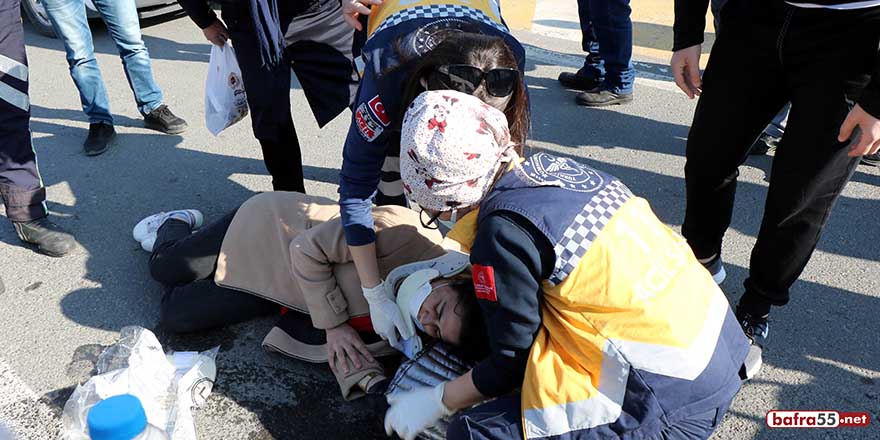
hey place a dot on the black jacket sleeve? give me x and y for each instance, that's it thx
(509, 258)
(199, 11)
(690, 23)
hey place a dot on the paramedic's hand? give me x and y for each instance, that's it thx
(344, 342)
(216, 33)
(387, 320)
(414, 411)
(869, 138)
(352, 10)
(685, 66)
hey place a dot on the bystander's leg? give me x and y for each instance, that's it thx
(21, 186)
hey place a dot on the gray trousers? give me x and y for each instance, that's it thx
(21, 188)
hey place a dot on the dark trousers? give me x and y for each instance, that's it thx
(185, 263)
(501, 419)
(319, 47)
(606, 29)
(268, 95)
(777, 126)
(20, 184)
(770, 53)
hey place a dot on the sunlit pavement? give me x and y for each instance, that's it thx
(57, 314)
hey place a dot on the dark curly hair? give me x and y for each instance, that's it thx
(474, 344)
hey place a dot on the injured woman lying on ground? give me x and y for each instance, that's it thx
(284, 253)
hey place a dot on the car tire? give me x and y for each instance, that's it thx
(36, 14)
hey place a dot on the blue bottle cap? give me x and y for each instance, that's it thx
(117, 418)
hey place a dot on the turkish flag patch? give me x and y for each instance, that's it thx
(484, 282)
(378, 110)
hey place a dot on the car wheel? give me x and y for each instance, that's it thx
(38, 17)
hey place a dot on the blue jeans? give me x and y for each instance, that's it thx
(69, 20)
(608, 22)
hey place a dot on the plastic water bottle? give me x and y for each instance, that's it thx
(121, 418)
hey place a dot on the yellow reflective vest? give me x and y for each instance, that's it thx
(635, 334)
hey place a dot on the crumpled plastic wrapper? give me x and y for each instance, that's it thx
(168, 385)
(434, 365)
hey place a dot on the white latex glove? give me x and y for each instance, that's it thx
(387, 320)
(415, 411)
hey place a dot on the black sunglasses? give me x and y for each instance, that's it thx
(466, 79)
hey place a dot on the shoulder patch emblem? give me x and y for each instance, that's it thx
(484, 282)
(564, 172)
(367, 124)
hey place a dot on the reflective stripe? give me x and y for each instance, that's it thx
(13, 68)
(840, 6)
(682, 363)
(14, 97)
(602, 409)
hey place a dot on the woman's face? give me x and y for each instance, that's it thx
(437, 314)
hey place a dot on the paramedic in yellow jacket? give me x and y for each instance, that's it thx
(595, 310)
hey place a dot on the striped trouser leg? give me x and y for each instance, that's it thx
(20, 184)
(390, 191)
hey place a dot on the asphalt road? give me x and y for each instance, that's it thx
(57, 314)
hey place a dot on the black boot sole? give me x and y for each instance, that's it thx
(616, 101)
(167, 130)
(36, 248)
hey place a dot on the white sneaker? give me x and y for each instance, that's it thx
(148, 243)
(147, 228)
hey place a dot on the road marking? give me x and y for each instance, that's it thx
(652, 24)
(13, 389)
(21, 410)
(519, 14)
(647, 74)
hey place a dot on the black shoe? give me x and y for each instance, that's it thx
(49, 238)
(163, 120)
(764, 144)
(756, 330)
(100, 137)
(578, 81)
(602, 98)
(872, 159)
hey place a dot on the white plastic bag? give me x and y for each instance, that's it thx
(168, 386)
(225, 98)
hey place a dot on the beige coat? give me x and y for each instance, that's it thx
(289, 248)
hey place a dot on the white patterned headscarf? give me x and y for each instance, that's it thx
(451, 147)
